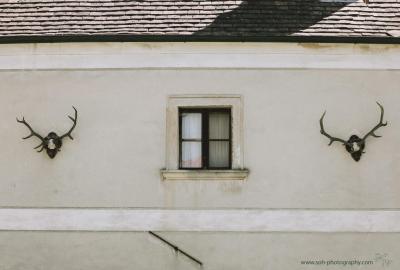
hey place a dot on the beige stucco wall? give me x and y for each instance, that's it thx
(119, 145)
(114, 162)
(255, 251)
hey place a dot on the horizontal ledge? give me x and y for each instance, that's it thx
(58, 219)
(217, 59)
(204, 174)
(202, 96)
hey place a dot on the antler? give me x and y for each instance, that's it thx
(333, 139)
(380, 124)
(68, 134)
(33, 133)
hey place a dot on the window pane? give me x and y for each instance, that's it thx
(191, 155)
(191, 125)
(219, 125)
(219, 154)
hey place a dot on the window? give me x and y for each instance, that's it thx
(205, 138)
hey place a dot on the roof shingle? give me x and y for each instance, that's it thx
(232, 18)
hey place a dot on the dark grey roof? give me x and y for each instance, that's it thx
(252, 18)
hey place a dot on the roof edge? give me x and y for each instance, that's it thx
(195, 38)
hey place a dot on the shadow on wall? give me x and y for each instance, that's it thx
(271, 18)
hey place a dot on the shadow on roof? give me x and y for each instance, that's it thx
(270, 18)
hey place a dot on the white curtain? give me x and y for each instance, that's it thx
(191, 155)
(219, 154)
(191, 126)
(219, 129)
(219, 125)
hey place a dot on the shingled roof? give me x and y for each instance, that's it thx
(202, 18)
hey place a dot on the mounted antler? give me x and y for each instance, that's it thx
(331, 138)
(33, 133)
(354, 145)
(380, 124)
(52, 142)
(73, 126)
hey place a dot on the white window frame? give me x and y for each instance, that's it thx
(174, 102)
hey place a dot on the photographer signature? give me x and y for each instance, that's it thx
(383, 259)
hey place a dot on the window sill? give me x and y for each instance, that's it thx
(204, 174)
